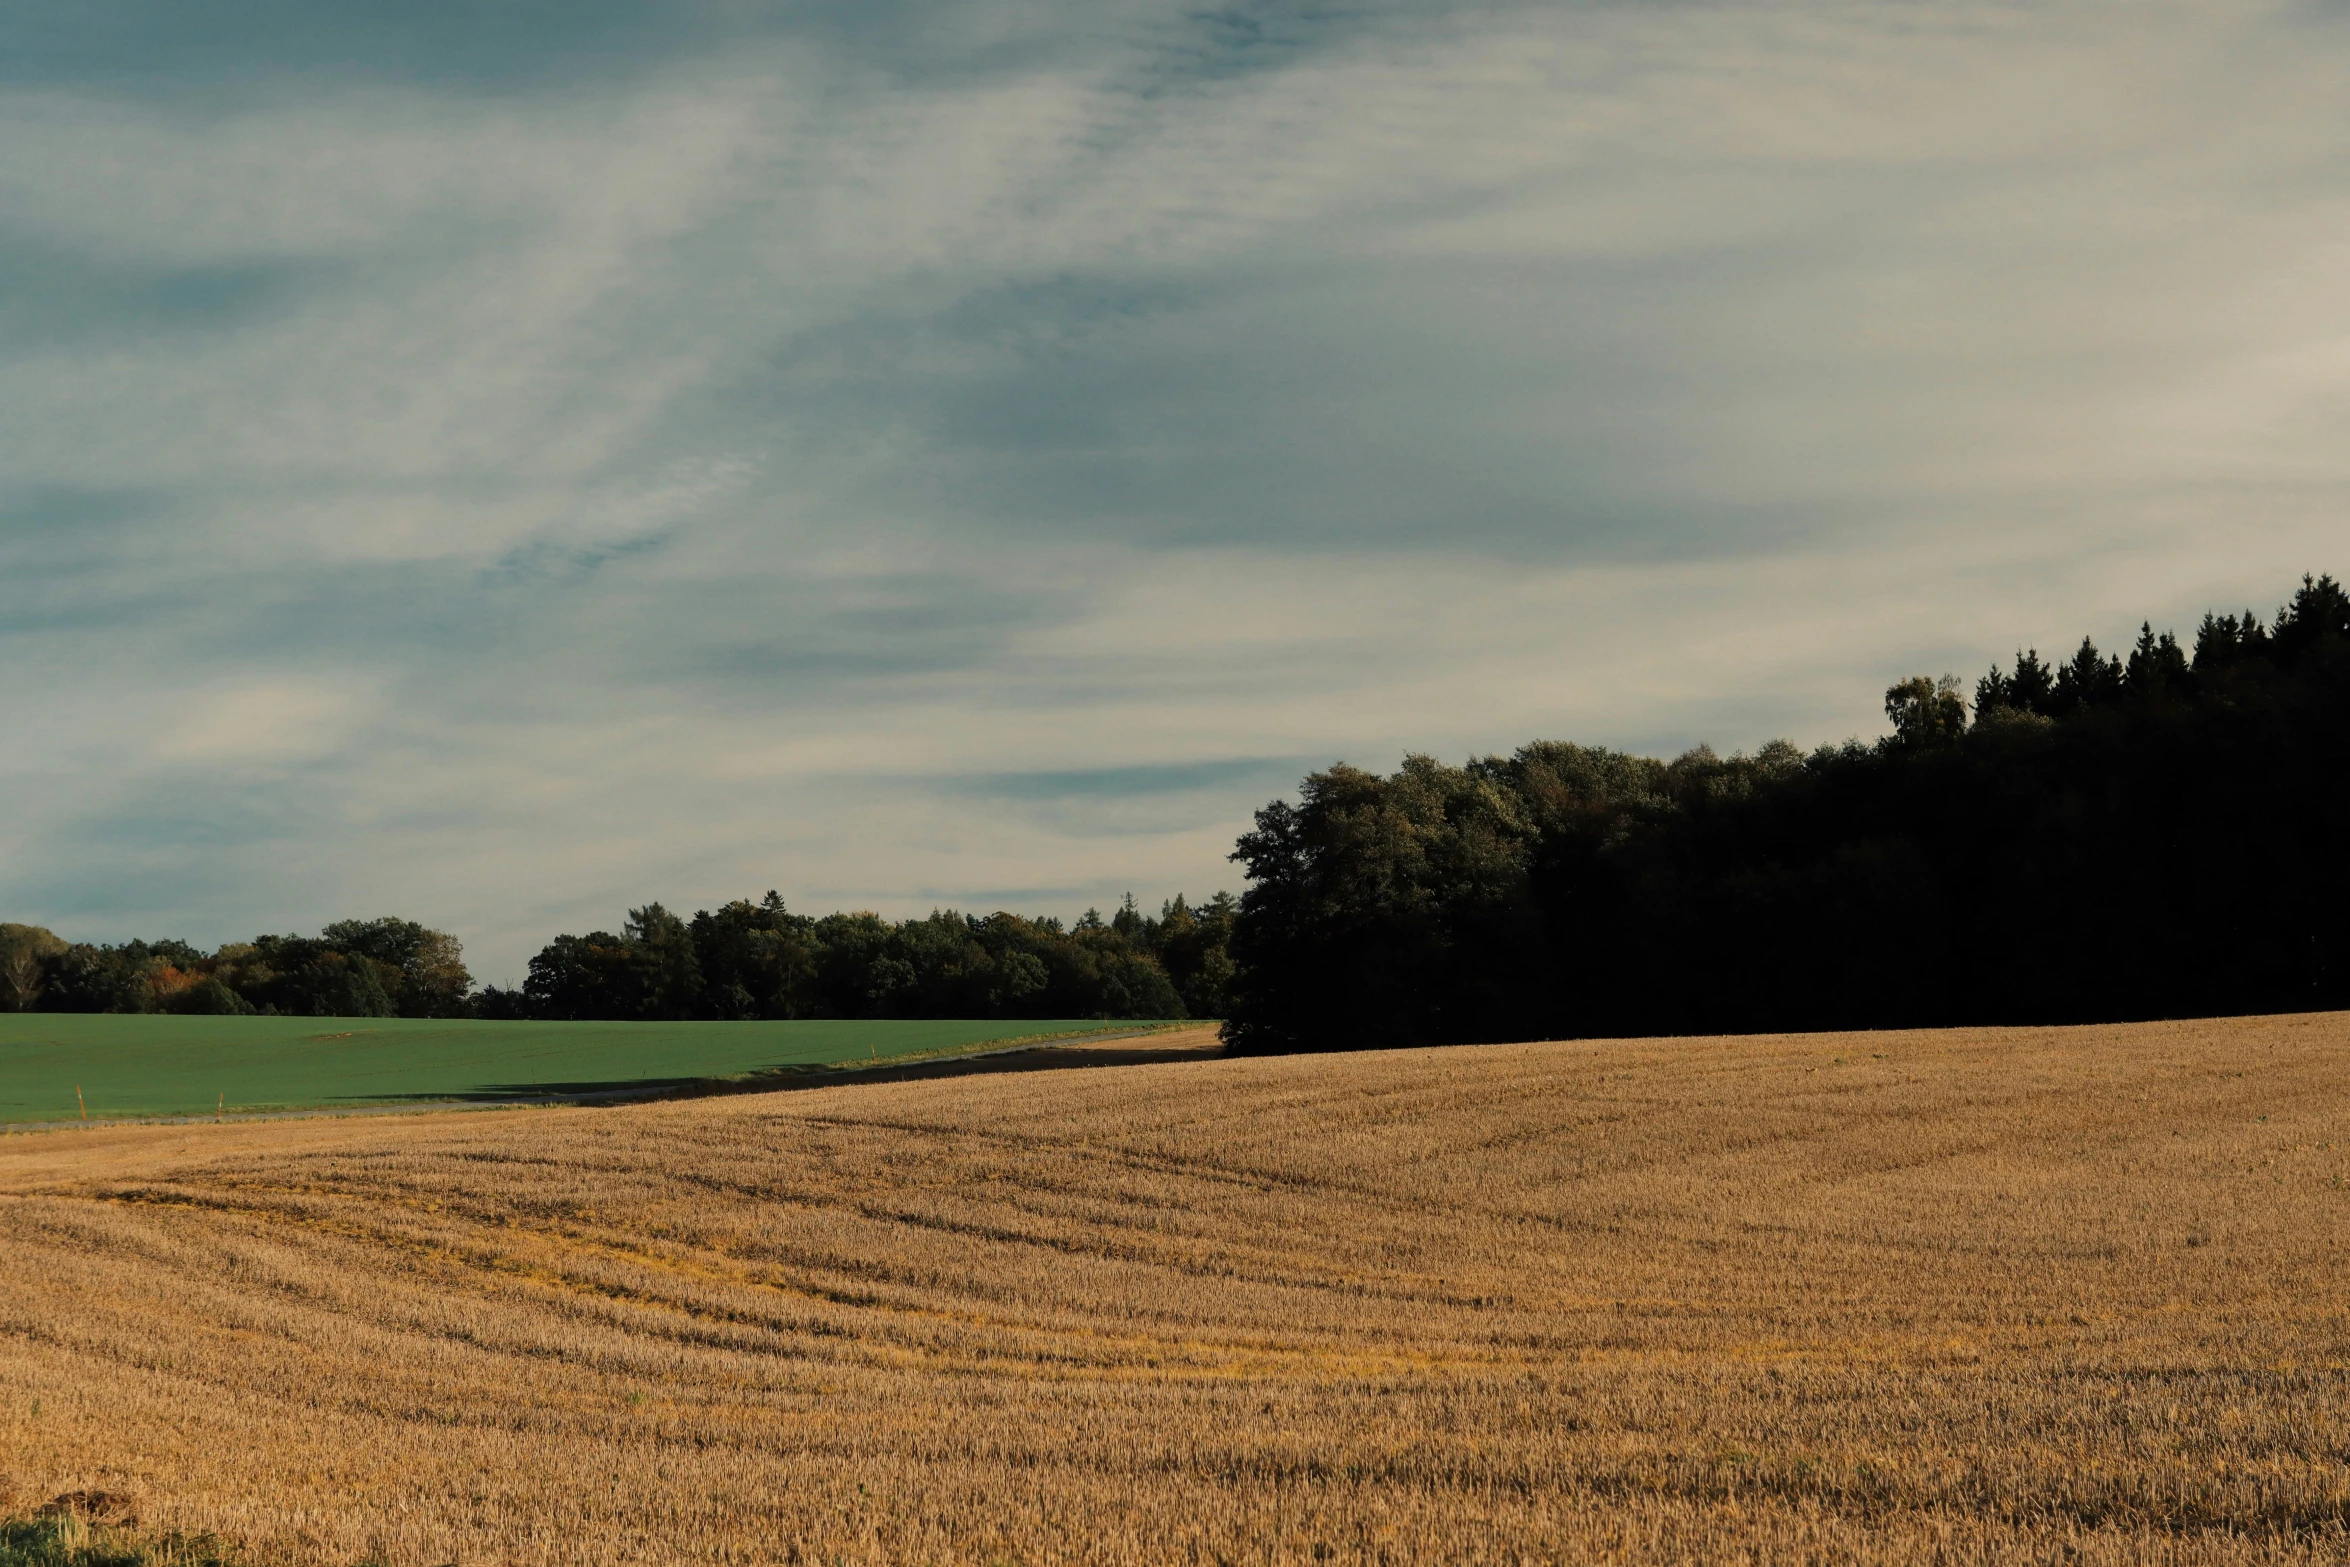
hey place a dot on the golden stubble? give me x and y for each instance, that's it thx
(1971, 1296)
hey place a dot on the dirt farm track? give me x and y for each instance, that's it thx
(2033, 1295)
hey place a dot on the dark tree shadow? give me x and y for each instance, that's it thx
(1200, 1045)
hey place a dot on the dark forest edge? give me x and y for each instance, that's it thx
(2160, 834)
(2109, 839)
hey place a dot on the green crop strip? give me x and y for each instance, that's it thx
(58, 1067)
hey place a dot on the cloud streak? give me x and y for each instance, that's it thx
(499, 464)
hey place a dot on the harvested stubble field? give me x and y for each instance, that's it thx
(1999, 1295)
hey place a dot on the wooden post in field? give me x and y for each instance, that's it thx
(220, 1110)
(79, 1100)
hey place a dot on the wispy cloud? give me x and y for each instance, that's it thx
(502, 462)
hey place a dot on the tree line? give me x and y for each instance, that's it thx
(353, 968)
(759, 960)
(744, 960)
(2158, 834)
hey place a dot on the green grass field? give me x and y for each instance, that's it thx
(141, 1066)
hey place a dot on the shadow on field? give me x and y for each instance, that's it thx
(1190, 1044)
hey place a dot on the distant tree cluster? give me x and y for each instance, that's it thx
(2161, 834)
(745, 960)
(353, 968)
(759, 960)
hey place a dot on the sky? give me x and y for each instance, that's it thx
(500, 463)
